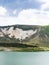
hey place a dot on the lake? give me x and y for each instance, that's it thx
(24, 58)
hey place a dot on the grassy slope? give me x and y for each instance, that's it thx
(41, 40)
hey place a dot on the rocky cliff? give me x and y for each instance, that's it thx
(25, 34)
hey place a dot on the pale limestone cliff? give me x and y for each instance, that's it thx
(17, 33)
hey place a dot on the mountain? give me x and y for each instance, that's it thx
(24, 36)
(17, 32)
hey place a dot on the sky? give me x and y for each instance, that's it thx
(26, 12)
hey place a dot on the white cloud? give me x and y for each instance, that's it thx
(2, 11)
(34, 17)
(27, 17)
(44, 1)
(45, 4)
(15, 12)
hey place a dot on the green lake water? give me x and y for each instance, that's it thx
(24, 58)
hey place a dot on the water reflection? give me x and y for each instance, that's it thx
(24, 58)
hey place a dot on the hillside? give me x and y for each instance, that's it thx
(24, 36)
(16, 33)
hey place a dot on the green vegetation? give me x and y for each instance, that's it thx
(24, 27)
(29, 49)
(36, 42)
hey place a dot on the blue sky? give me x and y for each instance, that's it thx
(19, 4)
(35, 12)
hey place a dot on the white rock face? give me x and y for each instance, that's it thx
(1, 34)
(17, 33)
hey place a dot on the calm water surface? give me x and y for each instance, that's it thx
(24, 58)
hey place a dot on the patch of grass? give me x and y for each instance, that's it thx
(29, 49)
